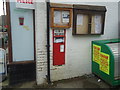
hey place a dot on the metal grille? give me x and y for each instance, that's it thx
(115, 47)
(19, 73)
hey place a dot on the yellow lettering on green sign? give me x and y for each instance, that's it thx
(104, 63)
(96, 53)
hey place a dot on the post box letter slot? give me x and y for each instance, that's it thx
(59, 40)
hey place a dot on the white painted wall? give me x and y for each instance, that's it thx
(41, 41)
(78, 48)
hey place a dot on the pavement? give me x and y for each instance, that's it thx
(86, 81)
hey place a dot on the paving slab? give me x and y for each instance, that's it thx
(86, 81)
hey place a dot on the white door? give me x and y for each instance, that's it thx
(22, 35)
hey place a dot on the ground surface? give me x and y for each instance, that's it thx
(86, 81)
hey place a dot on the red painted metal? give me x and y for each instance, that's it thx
(58, 57)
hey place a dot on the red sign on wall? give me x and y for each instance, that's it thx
(25, 4)
(25, 1)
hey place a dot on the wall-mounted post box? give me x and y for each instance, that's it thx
(59, 47)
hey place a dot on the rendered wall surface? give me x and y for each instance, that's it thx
(78, 48)
(41, 41)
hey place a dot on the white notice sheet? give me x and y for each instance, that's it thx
(79, 19)
(98, 25)
(61, 48)
(57, 17)
(65, 16)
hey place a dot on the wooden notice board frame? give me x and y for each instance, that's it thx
(61, 24)
(87, 13)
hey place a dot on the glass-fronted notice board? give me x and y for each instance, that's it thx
(88, 19)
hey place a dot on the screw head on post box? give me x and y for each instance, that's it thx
(21, 20)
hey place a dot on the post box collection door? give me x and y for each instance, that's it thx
(59, 47)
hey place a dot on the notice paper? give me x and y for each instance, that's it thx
(79, 19)
(26, 27)
(57, 17)
(65, 16)
(61, 48)
(98, 25)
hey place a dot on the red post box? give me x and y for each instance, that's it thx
(59, 47)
